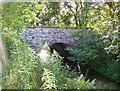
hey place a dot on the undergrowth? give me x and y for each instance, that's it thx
(26, 71)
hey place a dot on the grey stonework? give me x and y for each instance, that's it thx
(49, 35)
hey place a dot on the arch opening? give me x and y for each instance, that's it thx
(61, 49)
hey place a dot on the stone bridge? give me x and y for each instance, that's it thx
(51, 35)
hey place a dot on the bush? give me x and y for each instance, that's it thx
(89, 46)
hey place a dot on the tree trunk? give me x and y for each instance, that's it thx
(3, 56)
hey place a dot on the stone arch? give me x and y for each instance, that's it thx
(49, 35)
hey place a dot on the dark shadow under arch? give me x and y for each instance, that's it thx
(61, 49)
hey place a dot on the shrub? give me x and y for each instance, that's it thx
(89, 46)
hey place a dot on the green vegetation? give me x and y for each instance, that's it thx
(91, 51)
(22, 69)
(98, 43)
(26, 71)
(98, 46)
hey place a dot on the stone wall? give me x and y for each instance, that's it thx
(50, 35)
